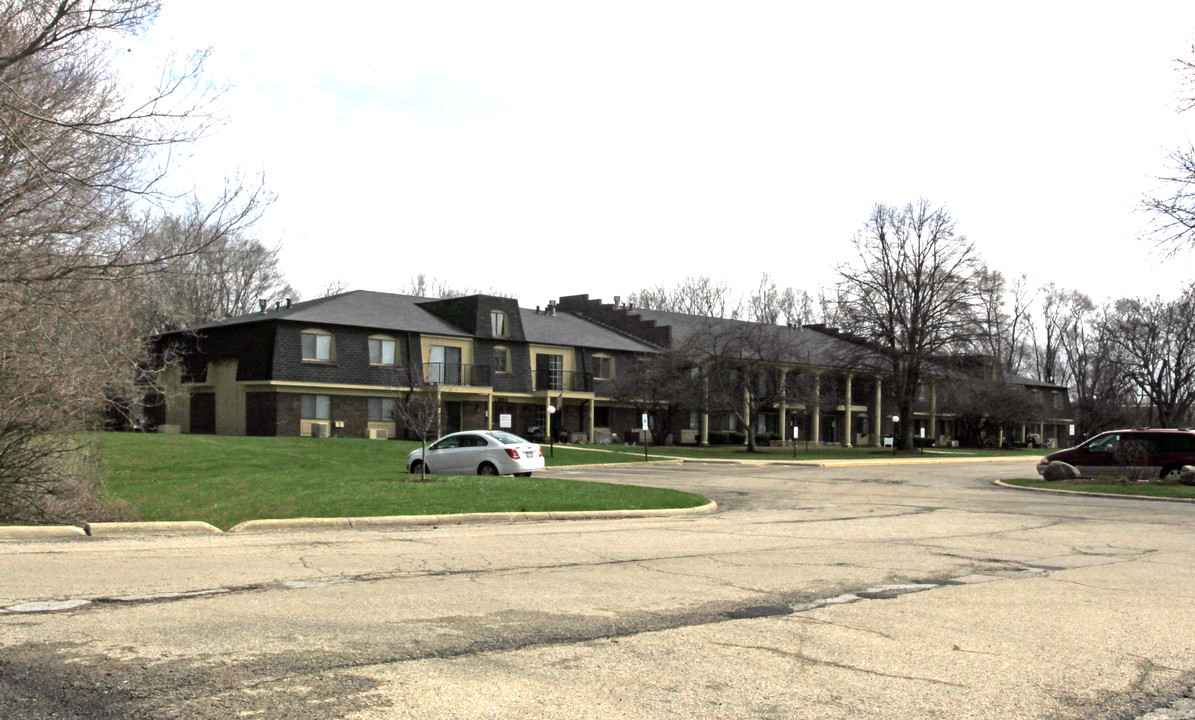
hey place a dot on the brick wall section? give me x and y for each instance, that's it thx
(251, 345)
(472, 315)
(519, 377)
(261, 414)
(289, 414)
(203, 413)
(351, 366)
(624, 420)
(353, 411)
(473, 416)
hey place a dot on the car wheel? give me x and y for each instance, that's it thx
(487, 469)
(415, 467)
(526, 474)
(1171, 473)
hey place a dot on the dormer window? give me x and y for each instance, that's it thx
(497, 323)
(318, 346)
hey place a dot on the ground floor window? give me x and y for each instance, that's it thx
(601, 417)
(315, 407)
(382, 410)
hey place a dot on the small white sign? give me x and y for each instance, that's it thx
(796, 432)
(1072, 431)
(922, 433)
(887, 441)
(504, 421)
(644, 421)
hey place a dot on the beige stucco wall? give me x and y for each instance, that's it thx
(230, 397)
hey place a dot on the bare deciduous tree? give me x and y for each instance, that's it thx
(661, 385)
(1099, 389)
(1175, 211)
(419, 411)
(78, 163)
(1156, 341)
(912, 292)
(741, 367)
(424, 285)
(769, 304)
(700, 295)
(1004, 320)
(229, 277)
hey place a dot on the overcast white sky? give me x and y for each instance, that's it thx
(553, 148)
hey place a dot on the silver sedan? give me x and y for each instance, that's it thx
(479, 452)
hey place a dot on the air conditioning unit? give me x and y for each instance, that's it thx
(379, 434)
(319, 430)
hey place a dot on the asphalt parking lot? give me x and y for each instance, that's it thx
(913, 591)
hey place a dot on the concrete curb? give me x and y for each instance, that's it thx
(133, 529)
(631, 463)
(260, 526)
(1060, 491)
(40, 532)
(856, 463)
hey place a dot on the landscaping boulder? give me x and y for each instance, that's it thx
(1187, 476)
(1058, 470)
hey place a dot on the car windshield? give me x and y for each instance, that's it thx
(507, 438)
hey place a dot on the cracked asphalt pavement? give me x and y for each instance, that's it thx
(914, 591)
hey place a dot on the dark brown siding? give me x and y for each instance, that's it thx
(353, 411)
(203, 413)
(261, 414)
(288, 414)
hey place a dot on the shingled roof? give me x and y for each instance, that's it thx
(809, 347)
(402, 313)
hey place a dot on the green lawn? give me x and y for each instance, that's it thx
(1152, 489)
(227, 480)
(739, 452)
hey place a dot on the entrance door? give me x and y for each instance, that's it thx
(452, 417)
(829, 428)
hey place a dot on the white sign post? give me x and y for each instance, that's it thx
(504, 421)
(644, 434)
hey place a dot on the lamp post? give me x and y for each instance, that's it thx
(895, 420)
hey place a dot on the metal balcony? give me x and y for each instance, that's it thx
(456, 374)
(563, 380)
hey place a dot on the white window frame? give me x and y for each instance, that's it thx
(610, 367)
(498, 323)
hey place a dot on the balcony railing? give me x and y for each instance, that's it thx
(571, 380)
(456, 374)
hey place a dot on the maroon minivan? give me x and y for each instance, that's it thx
(1138, 453)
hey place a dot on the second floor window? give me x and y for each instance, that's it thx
(381, 351)
(603, 367)
(317, 346)
(501, 360)
(498, 323)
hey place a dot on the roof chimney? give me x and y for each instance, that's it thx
(263, 303)
(617, 299)
(288, 302)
